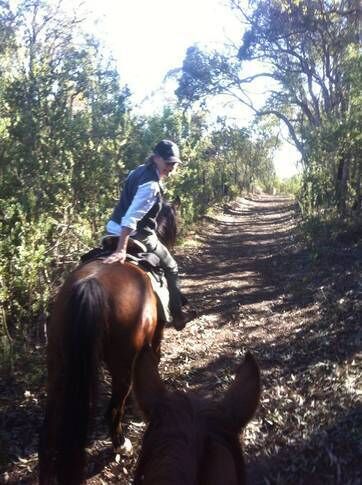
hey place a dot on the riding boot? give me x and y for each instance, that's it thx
(179, 317)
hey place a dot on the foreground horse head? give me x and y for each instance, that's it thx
(189, 441)
(103, 312)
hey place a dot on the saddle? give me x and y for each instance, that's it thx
(137, 254)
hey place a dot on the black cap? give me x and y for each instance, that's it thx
(168, 150)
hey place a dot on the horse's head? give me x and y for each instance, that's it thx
(190, 441)
(167, 222)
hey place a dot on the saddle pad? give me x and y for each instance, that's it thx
(159, 285)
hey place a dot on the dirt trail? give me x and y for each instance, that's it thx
(226, 282)
(226, 278)
(256, 289)
(225, 274)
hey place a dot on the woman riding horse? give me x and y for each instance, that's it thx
(135, 215)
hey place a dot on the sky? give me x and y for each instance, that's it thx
(148, 38)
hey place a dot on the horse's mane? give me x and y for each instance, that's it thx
(167, 224)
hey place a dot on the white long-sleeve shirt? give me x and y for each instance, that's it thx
(144, 199)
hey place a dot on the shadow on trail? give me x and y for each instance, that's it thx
(305, 359)
(19, 425)
(265, 261)
(240, 252)
(300, 364)
(314, 455)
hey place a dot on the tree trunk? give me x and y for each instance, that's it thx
(357, 204)
(341, 185)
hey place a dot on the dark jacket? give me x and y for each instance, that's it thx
(137, 177)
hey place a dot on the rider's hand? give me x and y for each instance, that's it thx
(118, 256)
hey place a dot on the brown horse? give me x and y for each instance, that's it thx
(103, 312)
(190, 441)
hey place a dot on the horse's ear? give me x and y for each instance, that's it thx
(147, 385)
(242, 398)
(176, 202)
